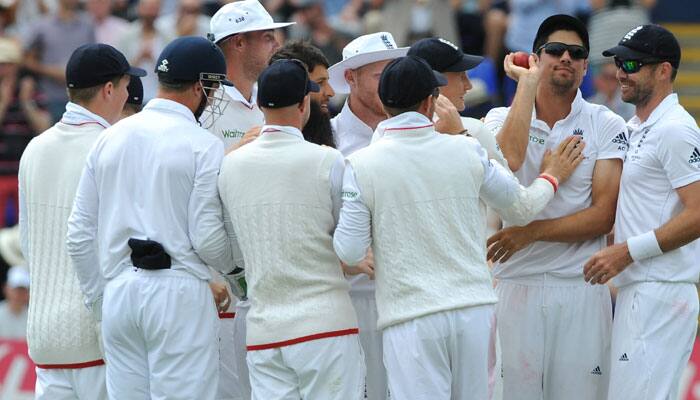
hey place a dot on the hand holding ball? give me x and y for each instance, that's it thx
(521, 59)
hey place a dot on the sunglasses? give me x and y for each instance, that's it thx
(557, 49)
(633, 66)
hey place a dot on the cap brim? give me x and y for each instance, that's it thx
(135, 71)
(267, 27)
(467, 62)
(336, 73)
(312, 86)
(625, 53)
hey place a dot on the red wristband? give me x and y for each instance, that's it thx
(549, 178)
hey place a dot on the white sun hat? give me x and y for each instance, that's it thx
(366, 49)
(241, 16)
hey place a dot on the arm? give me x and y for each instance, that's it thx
(352, 236)
(591, 222)
(513, 137)
(39, 119)
(33, 64)
(336, 179)
(205, 215)
(82, 239)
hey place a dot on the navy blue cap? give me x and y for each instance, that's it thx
(97, 63)
(190, 59)
(406, 81)
(648, 42)
(135, 90)
(443, 55)
(284, 83)
(560, 22)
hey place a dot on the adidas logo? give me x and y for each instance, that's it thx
(578, 132)
(596, 371)
(695, 157)
(624, 357)
(620, 138)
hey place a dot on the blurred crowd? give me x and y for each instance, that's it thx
(38, 36)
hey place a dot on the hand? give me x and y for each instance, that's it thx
(562, 162)
(248, 137)
(449, 119)
(365, 266)
(607, 263)
(221, 297)
(506, 242)
(516, 73)
(27, 88)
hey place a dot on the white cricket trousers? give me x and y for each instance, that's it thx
(653, 335)
(239, 348)
(555, 338)
(324, 369)
(160, 332)
(229, 386)
(441, 356)
(71, 384)
(371, 339)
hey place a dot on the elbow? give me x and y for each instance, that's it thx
(348, 253)
(514, 163)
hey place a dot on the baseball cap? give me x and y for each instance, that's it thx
(241, 16)
(97, 63)
(648, 41)
(135, 90)
(18, 276)
(366, 49)
(190, 59)
(284, 83)
(443, 55)
(408, 80)
(560, 22)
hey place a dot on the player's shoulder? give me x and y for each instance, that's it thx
(497, 113)
(601, 113)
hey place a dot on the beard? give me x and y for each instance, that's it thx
(202, 106)
(318, 128)
(563, 85)
(637, 94)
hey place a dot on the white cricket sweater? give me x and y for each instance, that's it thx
(442, 265)
(60, 330)
(277, 191)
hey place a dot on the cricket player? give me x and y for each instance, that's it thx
(358, 75)
(283, 197)
(244, 31)
(318, 128)
(63, 337)
(134, 103)
(654, 261)
(146, 223)
(554, 328)
(434, 292)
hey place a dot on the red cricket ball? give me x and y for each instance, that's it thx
(521, 59)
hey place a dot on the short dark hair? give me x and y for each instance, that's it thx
(85, 95)
(393, 111)
(177, 86)
(302, 51)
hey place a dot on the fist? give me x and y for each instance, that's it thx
(521, 59)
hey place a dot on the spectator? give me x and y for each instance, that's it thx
(108, 28)
(412, 20)
(143, 42)
(51, 42)
(21, 110)
(313, 25)
(13, 311)
(187, 21)
(608, 91)
(525, 15)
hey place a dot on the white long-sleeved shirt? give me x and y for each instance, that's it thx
(500, 190)
(151, 176)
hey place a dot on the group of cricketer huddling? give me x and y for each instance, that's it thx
(357, 246)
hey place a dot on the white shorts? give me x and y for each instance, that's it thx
(71, 384)
(329, 369)
(371, 339)
(441, 356)
(160, 336)
(653, 334)
(555, 338)
(239, 348)
(229, 388)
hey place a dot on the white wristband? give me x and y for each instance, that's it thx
(644, 246)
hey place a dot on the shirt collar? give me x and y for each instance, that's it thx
(171, 106)
(236, 95)
(403, 122)
(78, 115)
(354, 124)
(282, 128)
(666, 104)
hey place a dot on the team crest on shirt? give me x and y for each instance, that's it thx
(350, 196)
(578, 132)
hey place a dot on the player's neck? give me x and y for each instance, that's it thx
(643, 111)
(240, 80)
(552, 106)
(370, 116)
